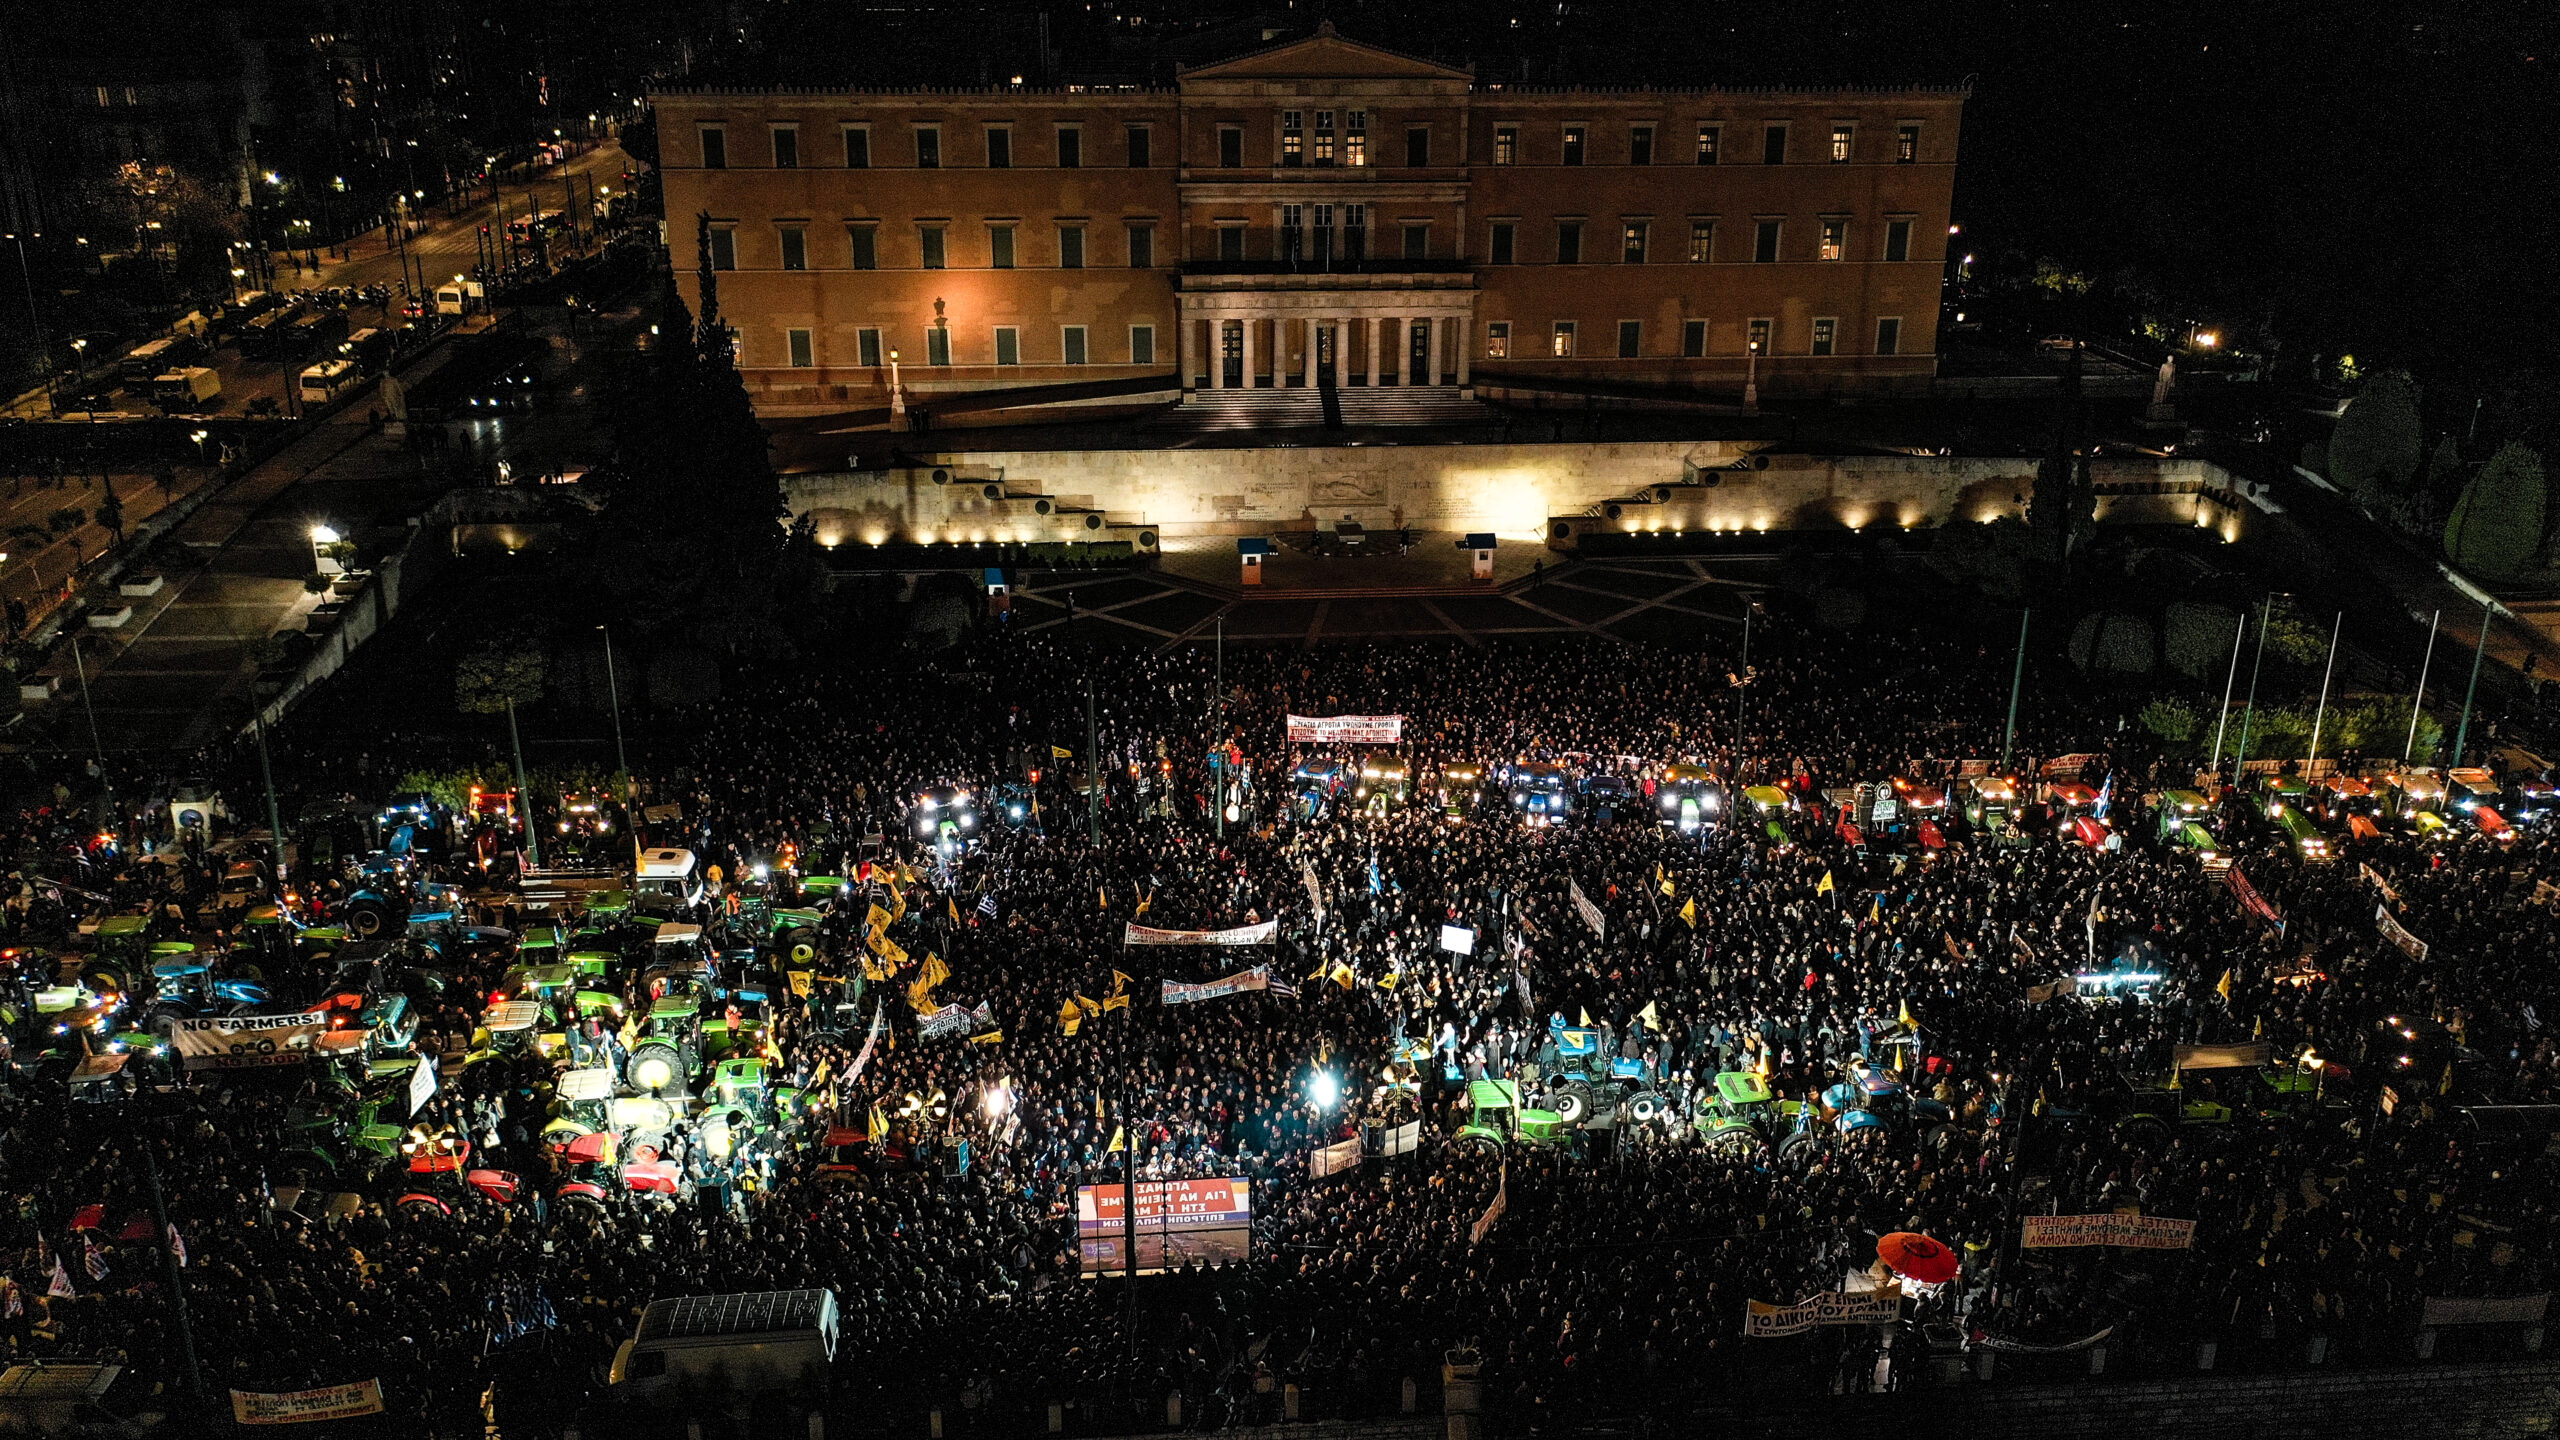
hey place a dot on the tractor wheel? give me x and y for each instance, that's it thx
(164, 1023)
(104, 978)
(1571, 1102)
(1945, 1141)
(1798, 1152)
(1737, 1143)
(305, 1169)
(1647, 1106)
(367, 918)
(2146, 1133)
(1479, 1144)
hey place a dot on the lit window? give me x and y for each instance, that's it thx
(1841, 135)
(1823, 331)
(1702, 241)
(1835, 239)
(1506, 145)
(1906, 145)
(1564, 340)
(1574, 135)
(1760, 336)
(1355, 138)
(1497, 340)
(1710, 139)
(1324, 137)
(1293, 137)
(1634, 242)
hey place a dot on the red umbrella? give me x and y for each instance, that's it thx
(1919, 1257)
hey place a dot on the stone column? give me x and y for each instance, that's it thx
(1250, 324)
(1465, 326)
(1217, 350)
(1436, 371)
(1184, 323)
(1396, 348)
(1377, 339)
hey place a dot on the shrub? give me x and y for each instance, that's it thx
(2375, 449)
(1839, 609)
(2195, 640)
(2174, 720)
(2117, 644)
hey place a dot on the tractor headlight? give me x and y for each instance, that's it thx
(653, 1073)
(925, 826)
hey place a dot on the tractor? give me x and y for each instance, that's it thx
(1499, 1120)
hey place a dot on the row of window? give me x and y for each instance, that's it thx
(1822, 337)
(1310, 233)
(1323, 144)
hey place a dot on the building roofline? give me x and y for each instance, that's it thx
(1479, 88)
(1324, 31)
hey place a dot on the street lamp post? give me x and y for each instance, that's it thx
(1751, 380)
(613, 689)
(26, 277)
(2462, 734)
(897, 396)
(2418, 701)
(322, 537)
(2017, 679)
(2249, 711)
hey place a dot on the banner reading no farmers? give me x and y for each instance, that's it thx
(1346, 730)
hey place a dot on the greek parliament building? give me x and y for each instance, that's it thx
(1318, 213)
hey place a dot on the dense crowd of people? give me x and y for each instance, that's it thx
(1614, 1275)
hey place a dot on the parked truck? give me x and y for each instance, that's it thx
(766, 1341)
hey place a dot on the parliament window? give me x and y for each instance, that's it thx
(1568, 242)
(1293, 137)
(1702, 241)
(1142, 247)
(1835, 239)
(1417, 242)
(1008, 345)
(1841, 138)
(803, 354)
(1634, 246)
(1710, 140)
(1574, 136)
(715, 148)
(1640, 145)
(1693, 339)
(1630, 339)
(1889, 335)
(866, 246)
(1230, 147)
(999, 148)
(1497, 340)
(1563, 342)
(866, 342)
(1906, 145)
(724, 250)
(1506, 145)
(786, 147)
(1823, 332)
(1764, 245)
(1417, 148)
(1897, 240)
(1355, 139)
(1142, 344)
(1071, 344)
(1504, 247)
(1773, 145)
(928, 148)
(1070, 247)
(929, 240)
(1141, 147)
(857, 148)
(795, 248)
(1000, 247)
(1070, 147)
(937, 345)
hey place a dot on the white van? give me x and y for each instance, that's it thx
(327, 380)
(188, 388)
(770, 1341)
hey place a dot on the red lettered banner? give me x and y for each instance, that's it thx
(1346, 730)
(2132, 1232)
(2250, 900)
(294, 1407)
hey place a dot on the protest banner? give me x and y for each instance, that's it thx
(1333, 1159)
(1261, 934)
(951, 1020)
(2241, 1055)
(1591, 915)
(1492, 1212)
(2485, 1310)
(1764, 1321)
(1457, 939)
(422, 1084)
(1178, 993)
(1346, 730)
(2398, 934)
(295, 1407)
(248, 1042)
(2251, 900)
(2365, 868)
(2131, 1232)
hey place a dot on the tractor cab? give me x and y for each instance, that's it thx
(663, 1061)
(945, 817)
(666, 881)
(1539, 794)
(2415, 798)
(2074, 807)
(2474, 791)
(2181, 811)
(1774, 809)
(1461, 786)
(2345, 804)
(1606, 796)
(1990, 803)
(1385, 782)
(415, 823)
(1497, 1119)
(1920, 810)
(1313, 785)
(1734, 1116)
(1688, 798)
(2298, 831)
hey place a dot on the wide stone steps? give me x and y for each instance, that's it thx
(1209, 411)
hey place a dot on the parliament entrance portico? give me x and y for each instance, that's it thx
(1266, 333)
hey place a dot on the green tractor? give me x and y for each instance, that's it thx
(1737, 1116)
(1499, 1120)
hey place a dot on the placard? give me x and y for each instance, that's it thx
(2485, 1310)
(1333, 1159)
(1457, 939)
(1179, 1222)
(422, 1084)
(1178, 993)
(295, 1407)
(1591, 915)
(246, 1042)
(2398, 934)
(590, 1084)
(1346, 730)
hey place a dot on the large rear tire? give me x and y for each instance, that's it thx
(1799, 1151)
(2146, 1133)
(1571, 1102)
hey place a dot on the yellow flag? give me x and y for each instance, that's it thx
(1119, 981)
(1101, 898)
(2222, 987)
(1118, 999)
(1146, 900)
(935, 971)
(1875, 908)
(920, 995)
(953, 906)
(1060, 753)
(1903, 1016)
(1689, 912)
(1651, 1020)
(1097, 1104)
(1583, 1020)
(992, 1037)
(1088, 1004)
(1115, 1002)
(1070, 1019)
(800, 981)
(1119, 1141)
(1389, 981)
(878, 919)
(1825, 887)
(1345, 976)
(879, 1129)
(897, 902)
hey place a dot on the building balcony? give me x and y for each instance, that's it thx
(1434, 273)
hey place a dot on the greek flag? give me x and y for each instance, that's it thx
(987, 905)
(2106, 795)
